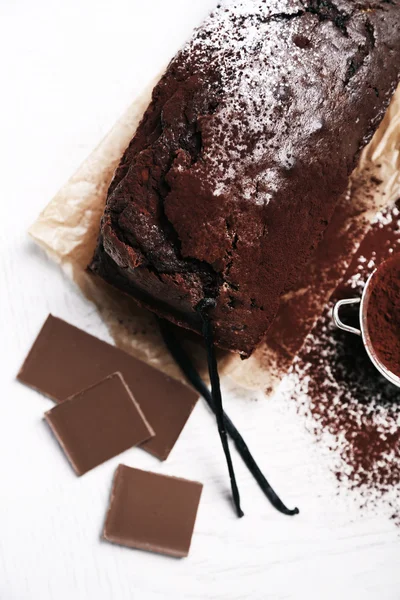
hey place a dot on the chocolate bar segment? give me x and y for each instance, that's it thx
(98, 424)
(65, 360)
(152, 512)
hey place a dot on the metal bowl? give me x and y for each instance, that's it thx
(363, 331)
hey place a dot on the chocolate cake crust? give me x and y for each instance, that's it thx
(235, 170)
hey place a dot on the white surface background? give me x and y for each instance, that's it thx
(68, 70)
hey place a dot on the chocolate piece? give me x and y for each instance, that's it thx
(242, 155)
(152, 512)
(65, 360)
(99, 423)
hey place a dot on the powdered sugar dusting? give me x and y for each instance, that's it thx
(251, 46)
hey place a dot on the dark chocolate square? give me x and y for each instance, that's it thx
(98, 424)
(65, 360)
(152, 512)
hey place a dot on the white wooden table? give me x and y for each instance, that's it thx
(68, 70)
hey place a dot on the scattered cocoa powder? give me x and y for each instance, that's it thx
(348, 405)
(383, 314)
(304, 301)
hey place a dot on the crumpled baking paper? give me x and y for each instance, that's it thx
(68, 227)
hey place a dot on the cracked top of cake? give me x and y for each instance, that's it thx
(249, 141)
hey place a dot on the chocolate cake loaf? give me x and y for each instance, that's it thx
(235, 169)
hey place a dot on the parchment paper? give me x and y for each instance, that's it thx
(68, 227)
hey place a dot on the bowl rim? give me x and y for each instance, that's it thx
(394, 379)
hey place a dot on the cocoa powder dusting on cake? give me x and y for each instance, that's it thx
(304, 301)
(241, 157)
(351, 409)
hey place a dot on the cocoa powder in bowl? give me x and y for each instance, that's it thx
(383, 314)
